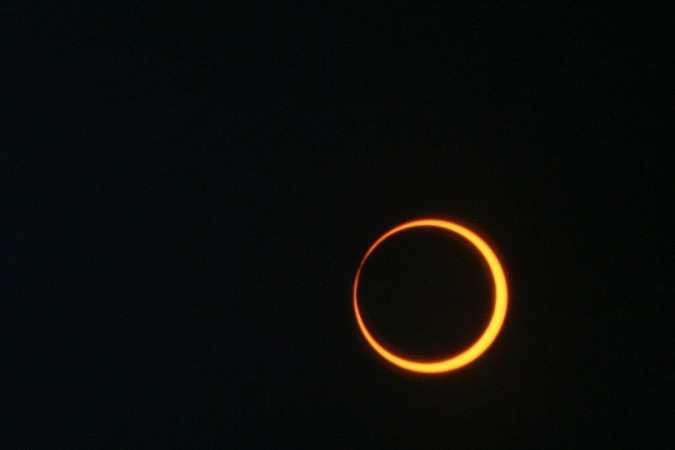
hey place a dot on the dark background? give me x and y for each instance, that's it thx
(189, 189)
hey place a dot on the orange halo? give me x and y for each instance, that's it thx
(498, 314)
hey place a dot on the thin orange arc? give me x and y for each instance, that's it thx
(491, 331)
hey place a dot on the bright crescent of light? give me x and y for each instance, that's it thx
(498, 314)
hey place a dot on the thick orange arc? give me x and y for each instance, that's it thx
(491, 331)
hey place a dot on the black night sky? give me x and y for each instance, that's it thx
(189, 190)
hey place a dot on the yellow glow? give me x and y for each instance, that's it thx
(489, 335)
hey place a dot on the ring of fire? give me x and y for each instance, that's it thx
(491, 331)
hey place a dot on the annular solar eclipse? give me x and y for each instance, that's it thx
(490, 333)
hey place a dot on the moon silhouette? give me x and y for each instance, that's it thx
(476, 349)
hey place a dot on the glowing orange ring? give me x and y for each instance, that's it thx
(498, 314)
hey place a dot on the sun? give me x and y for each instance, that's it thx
(486, 339)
